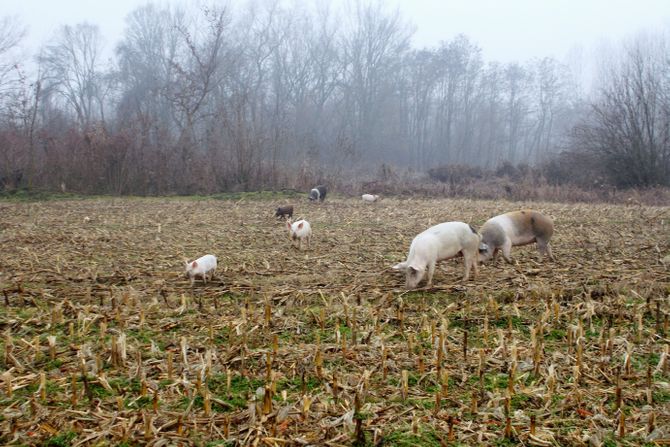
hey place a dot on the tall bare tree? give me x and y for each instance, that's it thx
(11, 34)
(629, 124)
(71, 69)
(373, 48)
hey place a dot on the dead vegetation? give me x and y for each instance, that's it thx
(105, 343)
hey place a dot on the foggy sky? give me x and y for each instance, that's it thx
(511, 30)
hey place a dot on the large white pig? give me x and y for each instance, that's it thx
(515, 228)
(443, 241)
(203, 266)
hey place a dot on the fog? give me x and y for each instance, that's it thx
(134, 97)
(515, 30)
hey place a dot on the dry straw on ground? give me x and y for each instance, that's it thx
(104, 342)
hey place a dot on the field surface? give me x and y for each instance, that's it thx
(105, 342)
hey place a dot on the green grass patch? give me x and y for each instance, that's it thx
(520, 401)
(141, 402)
(61, 440)
(255, 195)
(143, 336)
(221, 443)
(53, 364)
(241, 389)
(556, 335)
(311, 383)
(505, 442)
(425, 437)
(98, 390)
(517, 323)
(124, 385)
(492, 382)
(25, 195)
(661, 396)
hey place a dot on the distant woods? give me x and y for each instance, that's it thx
(265, 96)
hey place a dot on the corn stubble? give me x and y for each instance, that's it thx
(105, 341)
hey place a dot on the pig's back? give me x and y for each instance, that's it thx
(447, 229)
(207, 261)
(447, 237)
(505, 221)
(522, 227)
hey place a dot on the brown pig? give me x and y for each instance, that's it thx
(515, 228)
(284, 211)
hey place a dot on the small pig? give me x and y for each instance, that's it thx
(515, 228)
(298, 231)
(318, 193)
(284, 211)
(203, 266)
(443, 241)
(369, 197)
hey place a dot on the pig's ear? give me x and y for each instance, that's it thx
(401, 266)
(416, 268)
(300, 225)
(194, 264)
(483, 248)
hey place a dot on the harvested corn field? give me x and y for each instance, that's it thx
(105, 342)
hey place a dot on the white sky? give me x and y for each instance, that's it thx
(516, 30)
(506, 30)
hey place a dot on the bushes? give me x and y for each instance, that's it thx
(575, 168)
(456, 173)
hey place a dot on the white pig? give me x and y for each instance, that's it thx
(515, 228)
(369, 197)
(442, 241)
(300, 231)
(203, 266)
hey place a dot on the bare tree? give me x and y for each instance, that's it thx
(517, 109)
(373, 49)
(14, 105)
(195, 74)
(460, 65)
(72, 72)
(273, 94)
(145, 58)
(11, 34)
(629, 124)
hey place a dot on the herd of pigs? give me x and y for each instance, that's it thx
(439, 242)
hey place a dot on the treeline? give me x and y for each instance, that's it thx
(199, 100)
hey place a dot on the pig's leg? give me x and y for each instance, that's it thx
(466, 263)
(541, 249)
(544, 248)
(431, 272)
(309, 242)
(495, 255)
(549, 253)
(473, 262)
(507, 250)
